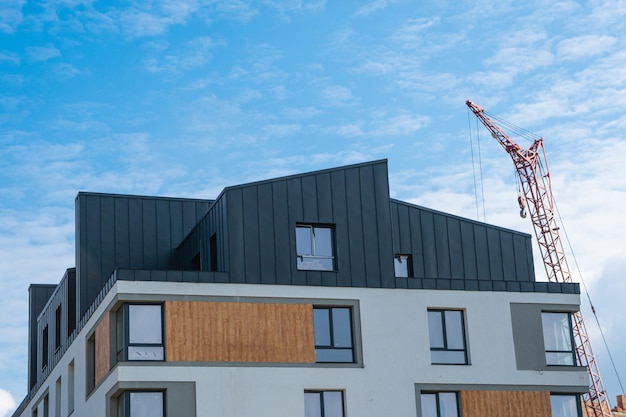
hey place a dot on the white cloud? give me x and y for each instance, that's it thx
(42, 53)
(11, 15)
(374, 6)
(7, 403)
(586, 46)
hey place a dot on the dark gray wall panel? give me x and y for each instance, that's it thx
(340, 211)
(417, 243)
(267, 241)
(429, 245)
(524, 268)
(495, 254)
(295, 214)
(281, 233)
(251, 236)
(325, 198)
(457, 269)
(383, 221)
(370, 228)
(163, 234)
(442, 247)
(508, 257)
(236, 235)
(308, 186)
(482, 252)
(468, 243)
(355, 228)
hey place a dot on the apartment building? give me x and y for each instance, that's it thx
(312, 295)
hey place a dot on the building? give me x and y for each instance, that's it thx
(313, 295)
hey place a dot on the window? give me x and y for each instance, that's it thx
(565, 405)
(402, 266)
(447, 337)
(439, 404)
(57, 398)
(333, 334)
(314, 247)
(140, 332)
(70, 387)
(323, 404)
(141, 404)
(44, 348)
(557, 337)
(57, 329)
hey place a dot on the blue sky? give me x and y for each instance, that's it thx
(186, 97)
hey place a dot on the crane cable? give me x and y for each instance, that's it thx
(593, 309)
(480, 165)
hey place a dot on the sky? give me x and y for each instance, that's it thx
(182, 98)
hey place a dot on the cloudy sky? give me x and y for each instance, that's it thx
(185, 97)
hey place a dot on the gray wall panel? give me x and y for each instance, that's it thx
(267, 241)
(470, 270)
(236, 235)
(442, 247)
(149, 238)
(342, 228)
(457, 269)
(325, 198)
(135, 224)
(370, 228)
(482, 252)
(417, 243)
(308, 186)
(295, 214)
(163, 234)
(355, 228)
(495, 254)
(383, 220)
(429, 244)
(251, 236)
(281, 233)
(121, 228)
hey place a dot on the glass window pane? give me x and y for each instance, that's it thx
(564, 405)
(429, 405)
(447, 404)
(454, 329)
(435, 329)
(334, 355)
(312, 404)
(146, 404)
(303, 240)
(323, 241)
(145, 353)
(401, 266)
(321, 323)
(453, 357)
(144, 324)
(342, 327)
(559, 358)
(333, 404)
(556, 331)
(315, 264)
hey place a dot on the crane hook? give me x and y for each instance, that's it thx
(521, 200)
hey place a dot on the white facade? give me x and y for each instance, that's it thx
(393, 337)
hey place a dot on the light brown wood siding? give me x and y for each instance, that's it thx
(505, 403)
(103, 346)
(239, 332)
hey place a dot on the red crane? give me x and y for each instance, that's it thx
(532, 168)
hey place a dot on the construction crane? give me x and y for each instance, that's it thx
(532, 168)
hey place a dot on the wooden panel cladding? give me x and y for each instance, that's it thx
(103, 346)
(239, 332)
(505, 403)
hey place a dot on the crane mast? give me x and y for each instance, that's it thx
(532, 168)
